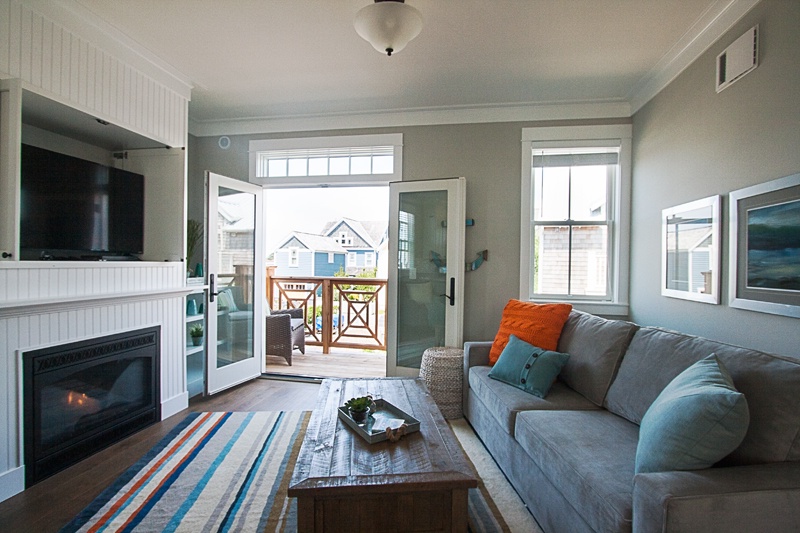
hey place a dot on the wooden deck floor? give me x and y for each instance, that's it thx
(340, 363)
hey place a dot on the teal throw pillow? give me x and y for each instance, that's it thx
(697, 420)
(527, 367)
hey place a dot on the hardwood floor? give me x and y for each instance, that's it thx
(340, 363)
(52, 503)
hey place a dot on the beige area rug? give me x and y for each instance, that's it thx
(510, 506)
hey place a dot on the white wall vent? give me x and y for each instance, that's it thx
(738, 59)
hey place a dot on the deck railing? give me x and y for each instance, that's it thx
(340, 312)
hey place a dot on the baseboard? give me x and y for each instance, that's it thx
(174, 405)
(12, 483)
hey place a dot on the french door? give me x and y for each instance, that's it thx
(426, 270)
(236, 282)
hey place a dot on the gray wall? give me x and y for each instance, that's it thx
(487, 155)
(690, 142)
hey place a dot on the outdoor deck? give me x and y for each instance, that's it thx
(339, 363)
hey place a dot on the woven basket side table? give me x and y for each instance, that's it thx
(442, 371)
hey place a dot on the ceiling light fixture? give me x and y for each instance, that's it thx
(388, 25)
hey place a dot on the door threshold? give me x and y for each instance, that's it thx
(290, 377)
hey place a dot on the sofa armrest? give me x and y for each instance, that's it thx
(741, 498)
(475, 354)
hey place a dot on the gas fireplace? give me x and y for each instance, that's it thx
(81, 397)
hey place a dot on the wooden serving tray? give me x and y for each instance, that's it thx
(382, 408)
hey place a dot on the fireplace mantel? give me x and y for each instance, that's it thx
(44, 303)
(37, 307)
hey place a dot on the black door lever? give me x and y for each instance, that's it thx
(452, 295)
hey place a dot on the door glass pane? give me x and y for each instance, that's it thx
(236, 260)
(422, 274)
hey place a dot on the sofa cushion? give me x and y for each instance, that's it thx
(527, 367)
(698, 419)
(595, 346)
(769, 382)
(504, 402)
(589, 457)
(537, 324)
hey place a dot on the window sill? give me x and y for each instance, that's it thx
(605, 309)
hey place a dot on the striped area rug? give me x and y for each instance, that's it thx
(214, 472)
(230, 472)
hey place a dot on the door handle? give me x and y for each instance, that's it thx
(211, 292)
(452, 295)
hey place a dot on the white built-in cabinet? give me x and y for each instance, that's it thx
(69, 85)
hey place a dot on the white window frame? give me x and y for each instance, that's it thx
(352, 259)
(332, 144)
(294, 258)
(369, 260)
(331, 257)
(616, 303)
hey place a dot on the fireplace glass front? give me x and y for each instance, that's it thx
(84, 396)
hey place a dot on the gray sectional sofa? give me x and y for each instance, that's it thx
(571, 455)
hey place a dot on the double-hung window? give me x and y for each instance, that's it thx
(575, 207)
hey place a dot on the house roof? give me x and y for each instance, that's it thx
(371, 231)
(317, 243)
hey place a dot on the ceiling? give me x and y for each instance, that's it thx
(289, 59)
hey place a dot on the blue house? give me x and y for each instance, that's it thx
(364, 242)
(305, 255)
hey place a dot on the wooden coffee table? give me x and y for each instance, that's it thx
(342, 483)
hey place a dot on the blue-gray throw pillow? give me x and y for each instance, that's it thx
(697, 420)
(527, 367)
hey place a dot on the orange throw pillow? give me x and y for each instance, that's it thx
(537, 324)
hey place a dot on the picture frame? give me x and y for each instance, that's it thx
(690, 251)
(765, 247)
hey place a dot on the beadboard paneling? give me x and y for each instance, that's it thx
(66, 67)
(102, 298)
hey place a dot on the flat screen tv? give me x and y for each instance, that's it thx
(76, 209)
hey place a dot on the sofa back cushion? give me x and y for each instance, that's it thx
(770, 384)
(595, 346)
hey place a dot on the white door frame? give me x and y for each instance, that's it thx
(219, 379)
(456, 224)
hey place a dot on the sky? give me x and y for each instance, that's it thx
(308, 210)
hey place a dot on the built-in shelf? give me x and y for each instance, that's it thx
(195, 355)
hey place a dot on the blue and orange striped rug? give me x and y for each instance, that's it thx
(228, 472)
(213, 472)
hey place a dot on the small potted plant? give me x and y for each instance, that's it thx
(196, 333)
(359, 408)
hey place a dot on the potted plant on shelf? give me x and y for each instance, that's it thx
(359, 408)
(194, 237)
(196, 333)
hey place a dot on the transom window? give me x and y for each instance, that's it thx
(343, 160)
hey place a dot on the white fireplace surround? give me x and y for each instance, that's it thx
(45, 304)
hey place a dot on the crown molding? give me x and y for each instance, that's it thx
(411, 117)
(710, 27)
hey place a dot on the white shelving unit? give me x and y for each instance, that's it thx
(196, 354)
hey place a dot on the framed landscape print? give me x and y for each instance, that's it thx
(765, 247)
(690, 250)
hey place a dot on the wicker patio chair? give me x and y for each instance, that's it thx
(285, 332)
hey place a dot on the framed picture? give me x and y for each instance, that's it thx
(765, 247)
(690, 251)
